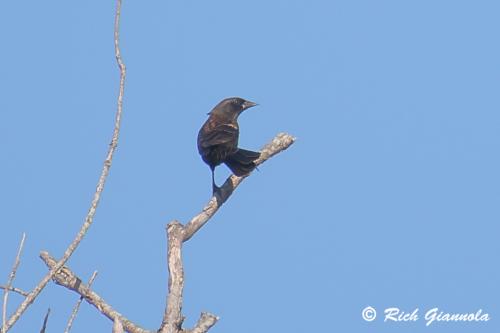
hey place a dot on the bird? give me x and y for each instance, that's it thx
(218, 139)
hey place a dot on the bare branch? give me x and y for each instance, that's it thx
(281, 142)
(45, 320)
(77, 305)
(206, 321)
(172, 319)
(12, 276)
(66, 278)
(100, 185)
(16, 290)
(178, 234)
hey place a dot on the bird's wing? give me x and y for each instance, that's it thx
(220, 134)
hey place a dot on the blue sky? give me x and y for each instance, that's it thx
(389, 197)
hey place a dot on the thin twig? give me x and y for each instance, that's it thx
(100, 184)
(178, 234)
(77, 305)
(66, 278)
(44, 327)
(16, 290)
(12, 276)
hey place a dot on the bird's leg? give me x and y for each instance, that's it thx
(215, 188)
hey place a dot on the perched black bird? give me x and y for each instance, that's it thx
(218, 139)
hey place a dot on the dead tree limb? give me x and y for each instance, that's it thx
(99, 189)
(206, 321)
(178, 234)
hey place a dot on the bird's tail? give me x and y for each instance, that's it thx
(242, 162)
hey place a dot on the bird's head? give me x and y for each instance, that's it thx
(232, 107)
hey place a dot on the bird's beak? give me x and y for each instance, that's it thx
(248, 104)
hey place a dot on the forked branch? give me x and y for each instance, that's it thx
(178, 234)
